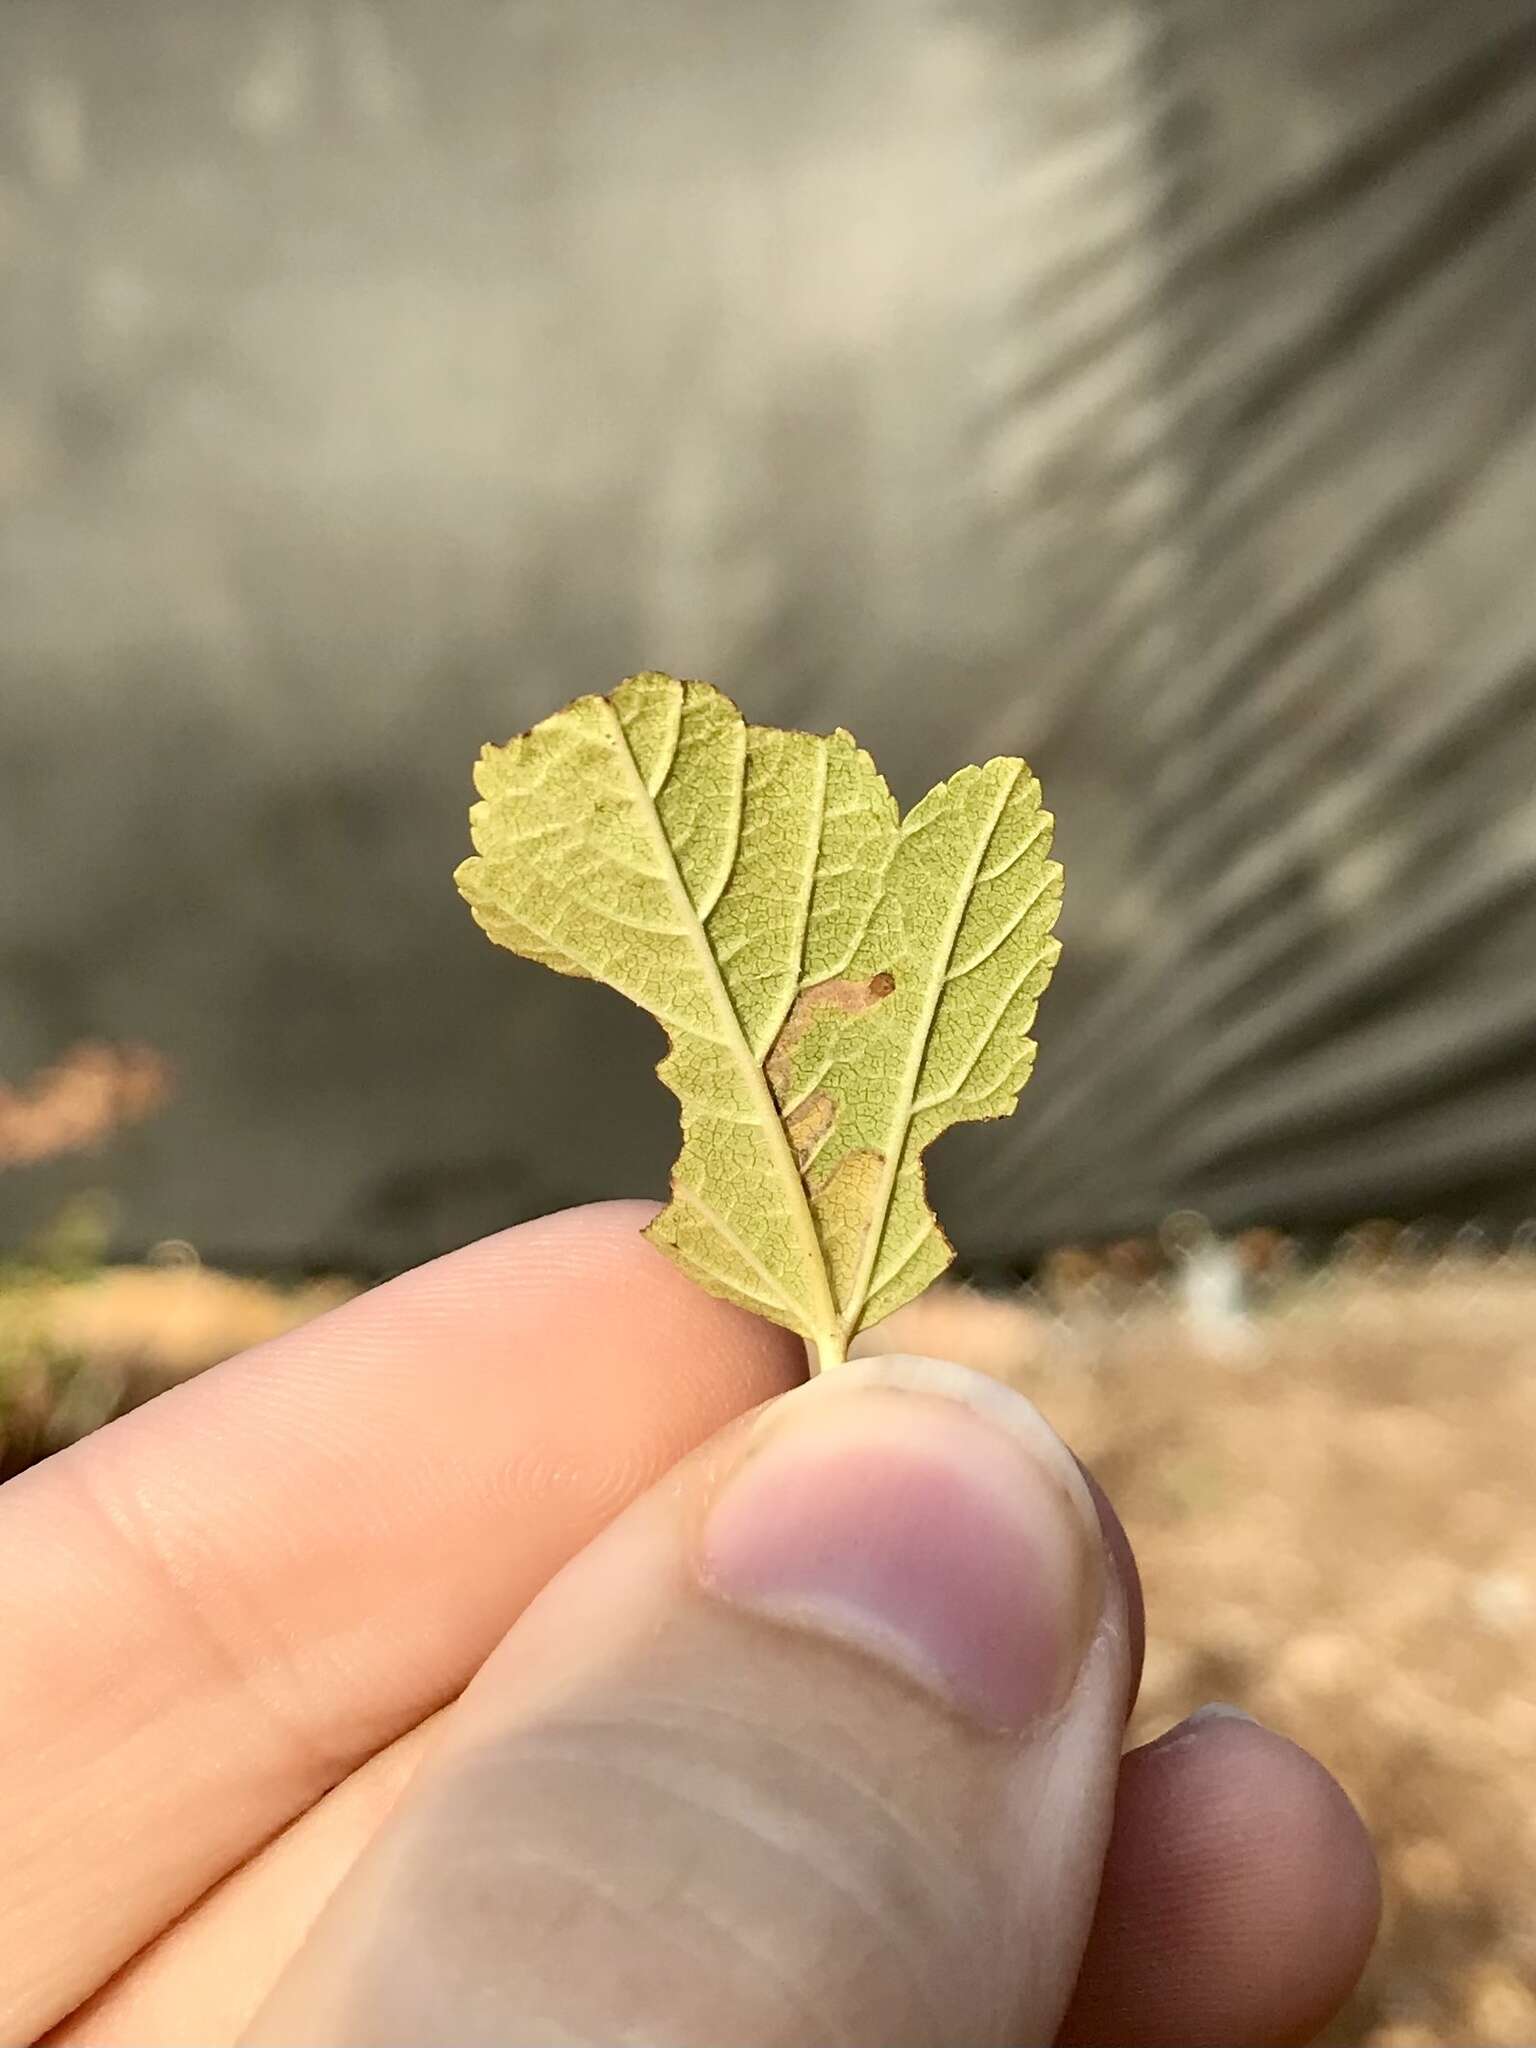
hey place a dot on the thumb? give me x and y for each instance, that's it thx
(816, 1743)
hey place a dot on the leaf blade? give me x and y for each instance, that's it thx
(838, 985)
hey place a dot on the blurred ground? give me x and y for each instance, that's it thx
(78, 1349)
(1332, 1508)
(1330, 1499)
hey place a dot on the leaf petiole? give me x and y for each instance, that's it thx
(828, 1351)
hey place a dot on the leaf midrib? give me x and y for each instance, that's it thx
(756, 1080)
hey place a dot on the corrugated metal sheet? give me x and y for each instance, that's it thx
(1146, 385)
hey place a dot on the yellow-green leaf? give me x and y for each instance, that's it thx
(839, 984)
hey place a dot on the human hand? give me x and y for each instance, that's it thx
(235, 1802)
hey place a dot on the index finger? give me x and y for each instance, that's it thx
(222, 1604)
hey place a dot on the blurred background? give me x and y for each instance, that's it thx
(1145, 386)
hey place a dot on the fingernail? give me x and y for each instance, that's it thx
(1219, 1710)
(927, 1515)
(1191, 1725)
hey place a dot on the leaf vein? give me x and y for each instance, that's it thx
(988, 952)
(903, 1112)
(738, 1244)
(883, 1277)
(991, 874)
(949, 1094)
(709, 901)
(774, 1024)
(657, 781)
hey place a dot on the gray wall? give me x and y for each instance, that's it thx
(1144, 385)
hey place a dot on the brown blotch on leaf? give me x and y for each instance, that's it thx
(859, 1169)
(851, 997)
(809, 1124)
(844, 1217)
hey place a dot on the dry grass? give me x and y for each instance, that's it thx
(91, 1092)
(77, 1351)
(1332, 1505)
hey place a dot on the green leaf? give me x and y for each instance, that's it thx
(839, 984)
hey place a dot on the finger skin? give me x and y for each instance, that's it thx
(222, 1604)
(1206, 1823)
(663, 1816)
(1123, 1559)
(191, 1988)
(199, 1983)
(1240, 1897)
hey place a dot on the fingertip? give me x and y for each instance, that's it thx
(635, 1363)
(1323, 1870)
(719, 1360)
(1240, 1896)
(604, 1334)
